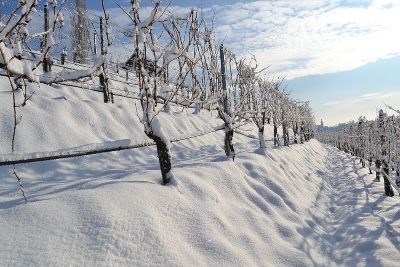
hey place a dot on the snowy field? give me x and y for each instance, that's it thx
(303, 205)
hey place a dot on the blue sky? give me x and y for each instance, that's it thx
(342, 55)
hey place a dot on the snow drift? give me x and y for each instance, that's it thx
(302, 205)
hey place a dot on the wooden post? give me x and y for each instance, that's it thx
(102, 77)
(229, 150)
(101, 36)
(46, 61)
(63, 56)
(223, 77)
(63, 48)
(95, 43)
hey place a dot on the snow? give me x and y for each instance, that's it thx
(227, 119)
(171, 54)
(72, 75)
(7, 57)
(166, 90)
(68, 151)
(6, 54)
(18, 49)
(60, 19)
(262, 139)
(27, 69)
(62, 117)
(303, 205)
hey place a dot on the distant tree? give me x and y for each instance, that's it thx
(79, 32)
(276, 107)
(385, 152)
(375, 141)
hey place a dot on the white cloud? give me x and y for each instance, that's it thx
(300, 38)
(296, 38)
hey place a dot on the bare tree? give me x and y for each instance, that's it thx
(154, 60)
(14, 34)
(385, 152)
(276, 108)
(260, 97)
(21, 69)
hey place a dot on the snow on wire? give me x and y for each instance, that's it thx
(89, 149)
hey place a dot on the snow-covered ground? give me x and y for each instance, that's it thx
(304, 205)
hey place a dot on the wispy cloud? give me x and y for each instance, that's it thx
(376, 96)
(370, 95)
(364, 105)
(331, 103)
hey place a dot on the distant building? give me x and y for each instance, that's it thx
(320, 127)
